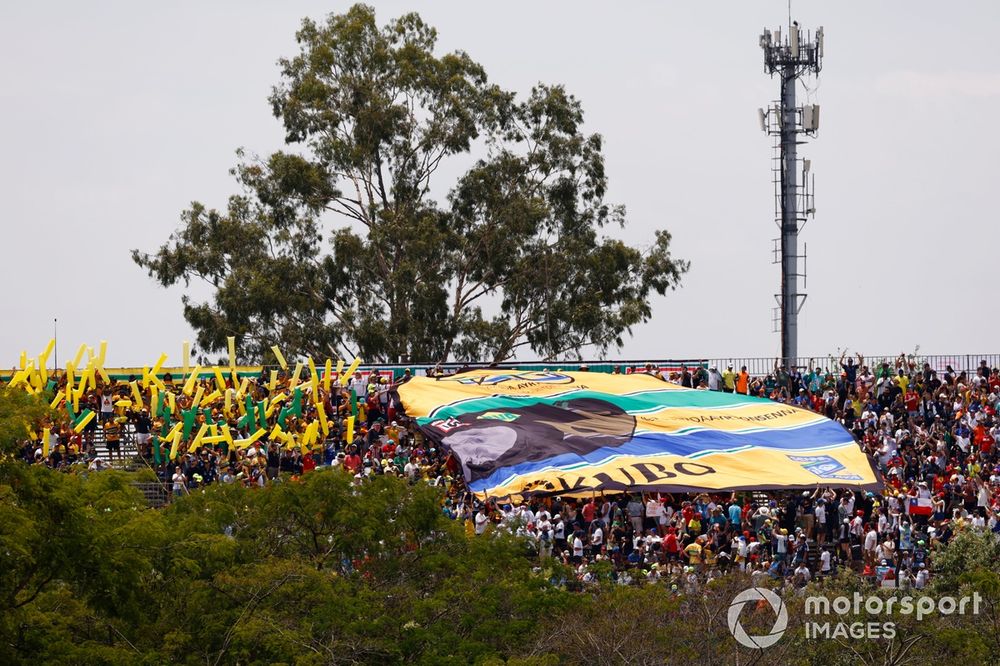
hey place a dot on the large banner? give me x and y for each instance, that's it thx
(518, 433)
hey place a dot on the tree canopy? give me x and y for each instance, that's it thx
(360, 238)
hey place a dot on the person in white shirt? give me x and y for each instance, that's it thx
(820, 512)
(481, 521)
(802, 575)
(596, 539)
(577, 548)
(871, 542)
(824, 562)
(654, 509)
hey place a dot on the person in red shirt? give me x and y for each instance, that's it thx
(671, 547)
(589, 511)
(912, 402)
(982, 437)
(352, 462)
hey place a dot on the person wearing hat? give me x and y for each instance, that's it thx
(715, 381)
(729, 380)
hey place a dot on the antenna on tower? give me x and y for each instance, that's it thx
(791, 59)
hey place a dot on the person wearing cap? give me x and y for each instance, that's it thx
(729, 379)
(715, 381)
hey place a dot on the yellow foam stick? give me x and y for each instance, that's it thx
(18, 377)
(102, 354)
(154, 396)
(84, 421)
(213, 429)
(157, 382)
(90, 374)
(81, 381)
(257, 435)
(243, 387)
(33, 377)
(278, 398)
(242, 407)
(76, 402)
(274, 380)
(235, 375)
(176, 430)
(227, 405)
(90, 353)
(218, 378)
(312, 431)
(175, 445)
(24, 360)
(312, 366)
(185, 356)
(322, 418)
(59, 398)
(350, 429)
(197, 438)
(145, 376)
(79, 355)
(45, 442)
(327, 369)
(269, 412)
(210, 398)
(276, 432)
(70, 367)
(189, 384)
(314, 383)
(42, 370)
(104, 374)
(48, 349)
(350, 371)
(123, 403)
(340, 366)
(281, 359)
(228, 436)
(135, 394)
(159, 364)
(197, 396)
(295, 375)
(232, 350)
(214, 439)
(171, 402)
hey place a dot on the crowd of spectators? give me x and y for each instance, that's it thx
(932, 437)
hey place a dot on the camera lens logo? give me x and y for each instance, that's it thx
(756, 595)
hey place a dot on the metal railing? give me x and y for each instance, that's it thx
(756, 366)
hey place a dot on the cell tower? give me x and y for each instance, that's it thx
(791, 59)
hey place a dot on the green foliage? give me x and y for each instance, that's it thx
(320, 571)
(371, 115)
(19, 414)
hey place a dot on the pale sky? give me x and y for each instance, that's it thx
(115, 115)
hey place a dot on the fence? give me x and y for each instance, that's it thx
(756, 365)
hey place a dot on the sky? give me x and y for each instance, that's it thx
(116, 115)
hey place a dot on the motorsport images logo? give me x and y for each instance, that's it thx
(843, 617)
(757, 595)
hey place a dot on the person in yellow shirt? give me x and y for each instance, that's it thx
(693, 551)
(729, 380)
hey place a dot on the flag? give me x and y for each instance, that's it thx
(520, 432)
(920, 506)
